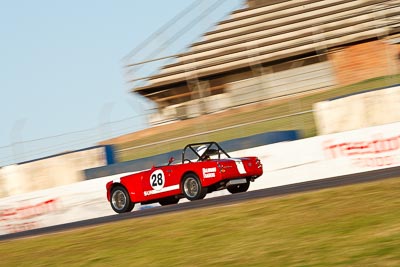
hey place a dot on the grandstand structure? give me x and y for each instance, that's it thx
(275, 48)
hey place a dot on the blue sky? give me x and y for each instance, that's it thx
(61, 62)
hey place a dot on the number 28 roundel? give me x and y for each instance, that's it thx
(157, 180)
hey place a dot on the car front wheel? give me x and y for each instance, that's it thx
(192, 188)
(120, 200)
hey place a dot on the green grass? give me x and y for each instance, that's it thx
(159, 148)
(356, 225)
(267, 110)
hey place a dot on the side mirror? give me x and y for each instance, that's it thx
(171, 159)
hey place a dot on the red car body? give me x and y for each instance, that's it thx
(212, 169)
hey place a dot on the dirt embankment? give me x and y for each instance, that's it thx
(181, 124)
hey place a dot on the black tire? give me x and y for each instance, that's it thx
(120, 200)
(192, 188)
(168, 201)
(239, 188)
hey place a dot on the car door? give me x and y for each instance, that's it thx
(160, 182)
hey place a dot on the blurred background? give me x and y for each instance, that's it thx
(221, 70)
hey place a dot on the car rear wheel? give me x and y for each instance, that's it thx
(192, 188)
(168, 201)
(238, 188)
(120, 200)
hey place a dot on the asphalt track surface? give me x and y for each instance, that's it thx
(218, 201)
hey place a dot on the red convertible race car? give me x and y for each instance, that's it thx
(205, 167)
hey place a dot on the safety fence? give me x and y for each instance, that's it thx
(21, 151)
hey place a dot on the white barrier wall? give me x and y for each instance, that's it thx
(358, 111)
(329, 155)
(63, 204)
(49, 172)
(284, 163)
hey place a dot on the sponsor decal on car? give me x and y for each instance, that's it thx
(209, 172)
(164, 189)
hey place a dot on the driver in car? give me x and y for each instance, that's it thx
(204, 153)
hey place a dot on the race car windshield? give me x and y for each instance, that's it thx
(204, 151)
